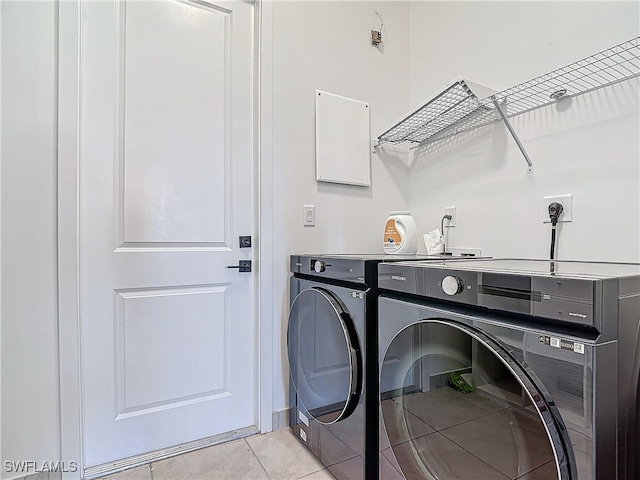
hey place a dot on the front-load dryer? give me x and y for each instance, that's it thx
(333, 379)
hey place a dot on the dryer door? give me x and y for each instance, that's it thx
(325, 357)
(462, 407)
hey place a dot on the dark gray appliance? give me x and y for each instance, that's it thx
(332, 326)
(516, 369)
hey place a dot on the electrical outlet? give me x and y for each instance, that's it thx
(567, 208)
(450, 211)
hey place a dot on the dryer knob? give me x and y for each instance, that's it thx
(319, 266)
(452, 285)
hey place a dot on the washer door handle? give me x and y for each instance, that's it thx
(336, 319)
(353, 360)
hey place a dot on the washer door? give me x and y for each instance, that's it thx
(325, 358)
(461, 407)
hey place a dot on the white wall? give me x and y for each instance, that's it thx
(30, 396)
(326, 45)
(589, 146)
(316, 45)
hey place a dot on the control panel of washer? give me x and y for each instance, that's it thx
(456, 285)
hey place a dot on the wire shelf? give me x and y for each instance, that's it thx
(453, 106)
(462, 106)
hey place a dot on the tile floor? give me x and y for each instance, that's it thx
(455, 436)
(276, 455)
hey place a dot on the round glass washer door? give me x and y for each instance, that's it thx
(325, 358)
(459, 406)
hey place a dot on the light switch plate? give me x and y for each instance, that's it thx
(309, 215)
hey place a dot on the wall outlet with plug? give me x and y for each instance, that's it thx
(567, 208)
(450, 211)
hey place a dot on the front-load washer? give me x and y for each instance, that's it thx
(332, 325)
(510, 369)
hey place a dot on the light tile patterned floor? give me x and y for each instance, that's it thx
(276, 455)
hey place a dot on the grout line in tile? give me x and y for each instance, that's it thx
(307, 451)
(441, 432)
(393, 465)
(311, 473)
(528, 472)
(257, 457)
(461, 423)
(322, 467)
(493, 467)
(412, 439)
(316, 471)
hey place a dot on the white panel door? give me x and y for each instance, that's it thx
(166, 158)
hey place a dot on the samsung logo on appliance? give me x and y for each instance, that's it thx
(398, 277)
(571, 314)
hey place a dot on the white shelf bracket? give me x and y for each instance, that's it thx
(513, 133)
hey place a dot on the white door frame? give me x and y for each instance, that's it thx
(70, 333)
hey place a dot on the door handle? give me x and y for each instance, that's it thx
(243, 266)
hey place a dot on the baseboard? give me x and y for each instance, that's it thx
(280, 418)
(113, 467)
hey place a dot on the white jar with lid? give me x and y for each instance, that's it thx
(400, 234)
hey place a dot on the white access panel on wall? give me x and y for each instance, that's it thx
(343, 140)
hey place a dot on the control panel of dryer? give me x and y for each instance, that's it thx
(328, 267)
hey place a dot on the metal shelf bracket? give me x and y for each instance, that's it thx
(513, 133)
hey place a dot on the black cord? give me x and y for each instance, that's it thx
(444, 245)
(552, 264)
(555, 210)
(553, 241)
